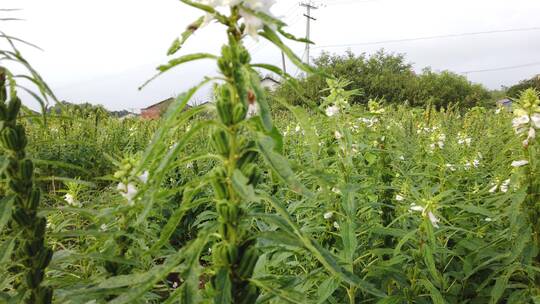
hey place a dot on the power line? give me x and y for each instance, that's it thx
(502, 68)
(431, 37)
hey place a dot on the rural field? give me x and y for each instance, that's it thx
(322, 191)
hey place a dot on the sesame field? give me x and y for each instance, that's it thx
(253, 198)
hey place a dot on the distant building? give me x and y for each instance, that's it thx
(156, 110)
(270, 83)
(506, 103)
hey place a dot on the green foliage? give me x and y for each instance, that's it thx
(515, 90)
(390, 78)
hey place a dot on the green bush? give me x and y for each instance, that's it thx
(388, 77)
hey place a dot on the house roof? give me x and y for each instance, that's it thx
(271, 79)
(168, 100)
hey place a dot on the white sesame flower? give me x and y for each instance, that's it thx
(493, 189)
(434, 220)
(144, 177)
(338, 135)
(488, 219)
(532, 134)
(498, 111)
(402, 157)
(175, 285)
(127, 191)
(103, 227)
(521, 120)
(336, 225)
(451, 167)
(69, 199)
(399, 198)
(189, 165)
(520, 163)
(252, 22)
(328, 215)
(520, 123)
(535, 118)
(336, 190)
(253, 110)
(504, 185)
(415, 207)
(332, 110)
(476, 163)
(297, 129)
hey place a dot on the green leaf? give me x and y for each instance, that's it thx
(280, 164)
(430, 263)
(5, 250)
(191, 251)
(264, 108)
(223, 287)
(278, 292)
(6, 206)
(123, 280)
(242, 187)
(173, 222)
(434, 293)
(271, 36)
(176, 62)
(307, 126)
(476, 209)
(179, 42)
(326, 289)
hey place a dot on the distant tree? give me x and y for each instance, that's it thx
(515, 91)
(445, 88)
(387, 77)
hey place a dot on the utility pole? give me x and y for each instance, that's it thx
(309, 6)
(283, 62)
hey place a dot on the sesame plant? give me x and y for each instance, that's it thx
(23, 229)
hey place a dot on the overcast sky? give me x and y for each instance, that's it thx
(100, 51)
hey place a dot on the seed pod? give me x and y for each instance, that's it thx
(13, 108)
(34, 278)
(227, 212)
(33, 199)
(45, 295)
(40, 227)
(27, 169)
(19, 186)
(232, 253)
(9, 138)
(247, 158)
(21, 217)
(247, 262)
(220, 189)
(44, 258)
(224, 111)
(239, 113)
(219, 254)
(3, 111)
(249, 294)
(245, 57)
(12, 169)
(21, 137)
(226, 231)
(221, 142)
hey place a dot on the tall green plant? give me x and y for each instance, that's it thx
(29, 253)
